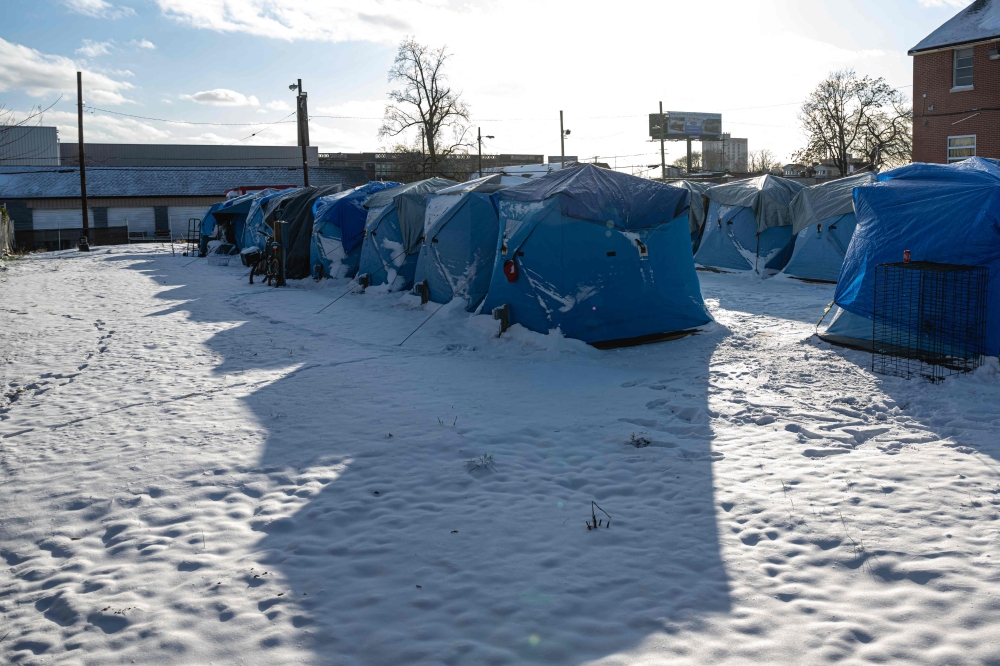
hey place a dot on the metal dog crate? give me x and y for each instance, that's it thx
(930, 319)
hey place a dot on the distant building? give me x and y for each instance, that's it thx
(825, 171)
(794, 170)
(956, 87)
(728, 155)
(405, 167)
(29, 146)
(179, 155)
(133, 202)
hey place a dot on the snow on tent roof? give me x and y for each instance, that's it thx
(768, 196)
(821, 202)
(941, 213)
(385, 197)
(978, 22)
(599, 195)
(484, 185)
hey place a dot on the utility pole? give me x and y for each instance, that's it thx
(562, 142)
(479, 140)
(663, 154)
(689, 156)
(81, 156)
(302, 110)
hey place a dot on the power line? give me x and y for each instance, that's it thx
(190, 122)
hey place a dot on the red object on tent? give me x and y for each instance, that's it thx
(510, 270)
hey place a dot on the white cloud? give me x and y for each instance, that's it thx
(222, 97)
(92, 49)
(37, 74)
(98, 9)
(328, 20)
(142, 44)
(278, 105)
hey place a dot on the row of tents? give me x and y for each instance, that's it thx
(603, 256)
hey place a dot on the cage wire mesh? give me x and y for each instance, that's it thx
(930, 319)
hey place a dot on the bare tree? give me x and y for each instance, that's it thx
(682, 162)
(887, 140)
(849, 115)
(761, 161)
(425, 103)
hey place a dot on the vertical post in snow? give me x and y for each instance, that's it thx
(303, 118)
(562, 142)
(81, 156)
(663, 154)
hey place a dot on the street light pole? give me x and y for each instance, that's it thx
(479, 140)
(302, 110)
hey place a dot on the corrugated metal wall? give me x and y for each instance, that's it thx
(29, 146)
(60, 219)
(137, 219)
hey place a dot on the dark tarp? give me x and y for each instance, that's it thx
(298, 213)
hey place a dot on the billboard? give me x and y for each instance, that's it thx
(682, 125)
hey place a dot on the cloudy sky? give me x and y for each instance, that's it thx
(228, 63)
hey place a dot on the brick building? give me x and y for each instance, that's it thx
(956, 87)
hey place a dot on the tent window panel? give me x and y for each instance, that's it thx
(961, 147)
(963, 67)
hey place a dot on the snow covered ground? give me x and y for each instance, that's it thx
(194, 470)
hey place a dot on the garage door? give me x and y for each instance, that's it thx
(138, 219)
(60, 219)
(179, 216)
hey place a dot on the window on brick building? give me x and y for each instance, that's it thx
(963, 67)
(961, 148)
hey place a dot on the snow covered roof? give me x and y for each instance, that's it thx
(18, 182)
(978, 22)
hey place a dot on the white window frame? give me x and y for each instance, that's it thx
(950, 147)
(954, 71)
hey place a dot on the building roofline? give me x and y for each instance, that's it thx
(949, 47)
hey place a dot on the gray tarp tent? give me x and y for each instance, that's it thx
(821, 202)
(748, 225)
(699, 207)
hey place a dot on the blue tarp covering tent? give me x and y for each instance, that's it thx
(603, 256)
(823, 222)
(940, 213)
(393, 231)
(260, 217)
(460, 239)
(749, 225)
(339, 229)
(225, 220)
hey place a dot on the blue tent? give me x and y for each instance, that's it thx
(940, 213)
(823, 222)
(748, 226)
(259, 217)
(226, 219)
(460, 239)
(393, 231)
(603, 256)
(339, 228)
